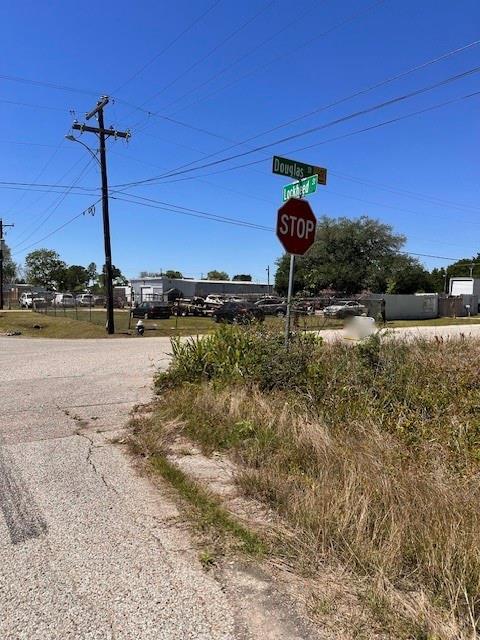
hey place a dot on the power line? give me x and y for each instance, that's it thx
(195, 213)
(89, 210)
(356, 94)
(33, 106)
(188, 28)
(199, 61)
(316, 144)
(290, 52)
(57, 204)
(291, 23)
(48, 85)
(327, 125)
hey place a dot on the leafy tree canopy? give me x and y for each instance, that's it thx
(242, 277)
(10, 269)
(353, 255)
(217, 275)
(44, 268)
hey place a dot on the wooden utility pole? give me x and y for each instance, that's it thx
(102, 134)
(1, 260)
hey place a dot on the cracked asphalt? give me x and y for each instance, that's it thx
(88, 548)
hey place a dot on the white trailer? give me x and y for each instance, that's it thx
(465, 287)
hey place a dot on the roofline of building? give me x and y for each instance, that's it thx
(160, 278)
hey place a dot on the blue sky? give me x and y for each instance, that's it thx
(241, 69)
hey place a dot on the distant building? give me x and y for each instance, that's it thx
(157, 288)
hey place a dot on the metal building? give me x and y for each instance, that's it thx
(156, 288)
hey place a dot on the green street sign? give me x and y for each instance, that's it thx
(298, 170)
(300, 188)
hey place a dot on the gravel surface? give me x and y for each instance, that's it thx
(88, 549)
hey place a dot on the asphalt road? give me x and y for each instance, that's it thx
(88, 549)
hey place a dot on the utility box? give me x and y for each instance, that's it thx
(465, 287)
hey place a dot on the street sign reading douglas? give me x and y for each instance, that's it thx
(298, 170)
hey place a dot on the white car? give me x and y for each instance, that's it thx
(64, 300)
(86, 300)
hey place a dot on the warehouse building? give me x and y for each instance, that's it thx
(157, 288)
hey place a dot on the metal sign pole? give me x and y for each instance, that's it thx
(289, 300)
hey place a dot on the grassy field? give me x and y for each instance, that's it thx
(372, 462)
(48, 326)
(85, 323)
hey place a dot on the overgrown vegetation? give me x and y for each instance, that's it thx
(370, 453)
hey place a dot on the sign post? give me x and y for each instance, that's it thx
(296, 224)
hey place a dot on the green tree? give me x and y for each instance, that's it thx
(465, 267)
(217, 275)
(242, 277)
(117, 276)
(10, 269)
(76, 278)
(438, 278)
(44, 267)
(92, 273)
(170, 273)
(348, 255)
(407, 275)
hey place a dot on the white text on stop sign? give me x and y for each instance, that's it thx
(295, 227)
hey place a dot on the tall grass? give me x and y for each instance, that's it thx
(370, 453)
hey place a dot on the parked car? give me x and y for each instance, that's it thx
(99, 301)
(64, 300)
(26, 300)
(238, 312)
(86, 300)
(152, 310)
(344, 309)
(272, 307)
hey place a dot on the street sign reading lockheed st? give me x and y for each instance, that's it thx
(300, 188)
(298, 170)
(296, 224)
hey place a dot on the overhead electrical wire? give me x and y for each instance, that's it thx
(195, 213)
(356, 94)
(62, 226)
(55, 205)
(202, 59)
(291, 23)
(351, 116)
(316, 144)
(291, 50)
(188, 28)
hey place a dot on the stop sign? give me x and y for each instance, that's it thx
(296, 225)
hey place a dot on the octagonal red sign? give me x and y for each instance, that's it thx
(296, 224)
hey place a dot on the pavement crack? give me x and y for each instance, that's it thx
(89, 460)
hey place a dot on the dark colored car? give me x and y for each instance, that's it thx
(152, 310)
(272, 307)
(238, 313)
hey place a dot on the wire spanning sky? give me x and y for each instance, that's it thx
(384, 93)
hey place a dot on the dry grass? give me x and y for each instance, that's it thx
(373, 462)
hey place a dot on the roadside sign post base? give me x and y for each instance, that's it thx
(289, 300)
